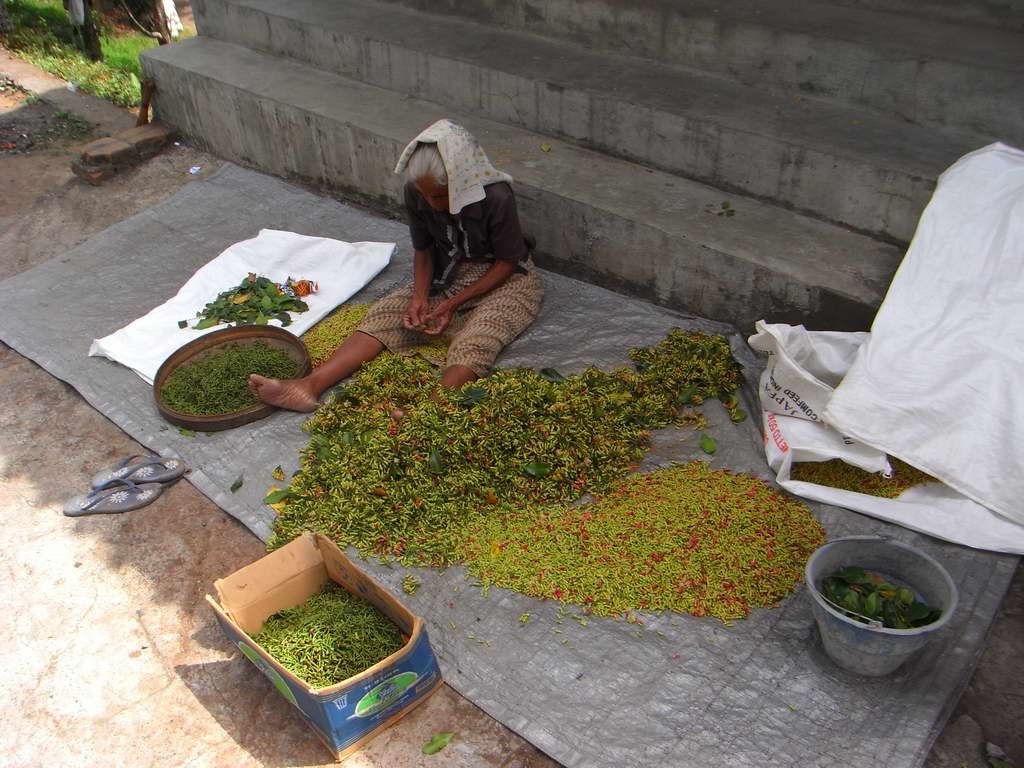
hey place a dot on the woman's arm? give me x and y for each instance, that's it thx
(416, 311)
(499, 272)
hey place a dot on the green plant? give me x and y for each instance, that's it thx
(838, 474)
(871, 599)
(72, 126)
(329, 638)
(42, 34)
(122, 52)
(465, 475)
(326, 336)
(254, 301)
(689, 538)
(219, 383)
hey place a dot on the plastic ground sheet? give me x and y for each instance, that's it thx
(689, 692)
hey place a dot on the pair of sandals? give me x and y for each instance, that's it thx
(135, 482)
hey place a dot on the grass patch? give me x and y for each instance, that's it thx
(42, 34)
(123, 52)
(71, 127)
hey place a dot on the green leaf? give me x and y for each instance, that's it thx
(738, 416)
(834, 589)
(186, 432)
(348, 438)
(342, 394)
(470, 396)
(261, 319)
(183, 323)
(537, 469)
(906, 596)
(267, 303)
(851, 575)
(436, 462)
(708, 444)
(918, 611)
(685, 396)
(437, 743)
(237, 484)
(851, 601)
(206, 322)
(275, 496)
(871, 604)
(550, 374)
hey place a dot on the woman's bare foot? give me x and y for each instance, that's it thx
(292, 394)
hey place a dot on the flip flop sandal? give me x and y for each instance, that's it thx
(152, 469)
(115, 497)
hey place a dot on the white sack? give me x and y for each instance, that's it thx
(174, 25)
(938, 383)
(340, 268)
(802, 371)
(932, 508)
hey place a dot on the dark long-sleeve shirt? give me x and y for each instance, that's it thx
(489, 229)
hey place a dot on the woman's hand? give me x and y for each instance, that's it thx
(416, 312)
(439, 319)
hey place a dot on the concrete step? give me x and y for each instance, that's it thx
(842, 164)
(1001, 14)
(634, 229)
(931, 72)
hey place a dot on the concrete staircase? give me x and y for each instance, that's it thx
(762, 158)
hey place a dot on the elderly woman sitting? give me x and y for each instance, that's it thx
(472, 277)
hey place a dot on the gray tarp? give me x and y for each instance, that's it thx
(702, 694)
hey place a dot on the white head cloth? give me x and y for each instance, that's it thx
(467, 166)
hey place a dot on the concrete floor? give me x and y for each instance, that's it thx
(112, 656)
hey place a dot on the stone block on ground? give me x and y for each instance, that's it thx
(147, 140)
(104, 157)
(109, 150)
(93, 173)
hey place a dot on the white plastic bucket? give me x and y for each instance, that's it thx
(875, 651)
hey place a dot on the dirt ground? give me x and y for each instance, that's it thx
(108, 565)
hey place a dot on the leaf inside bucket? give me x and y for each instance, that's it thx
(871, 599)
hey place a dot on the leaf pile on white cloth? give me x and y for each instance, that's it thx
(340, 268)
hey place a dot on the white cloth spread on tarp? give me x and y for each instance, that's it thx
(340, 268)
(934, 383)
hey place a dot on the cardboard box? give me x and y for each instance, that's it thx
(350, 713)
